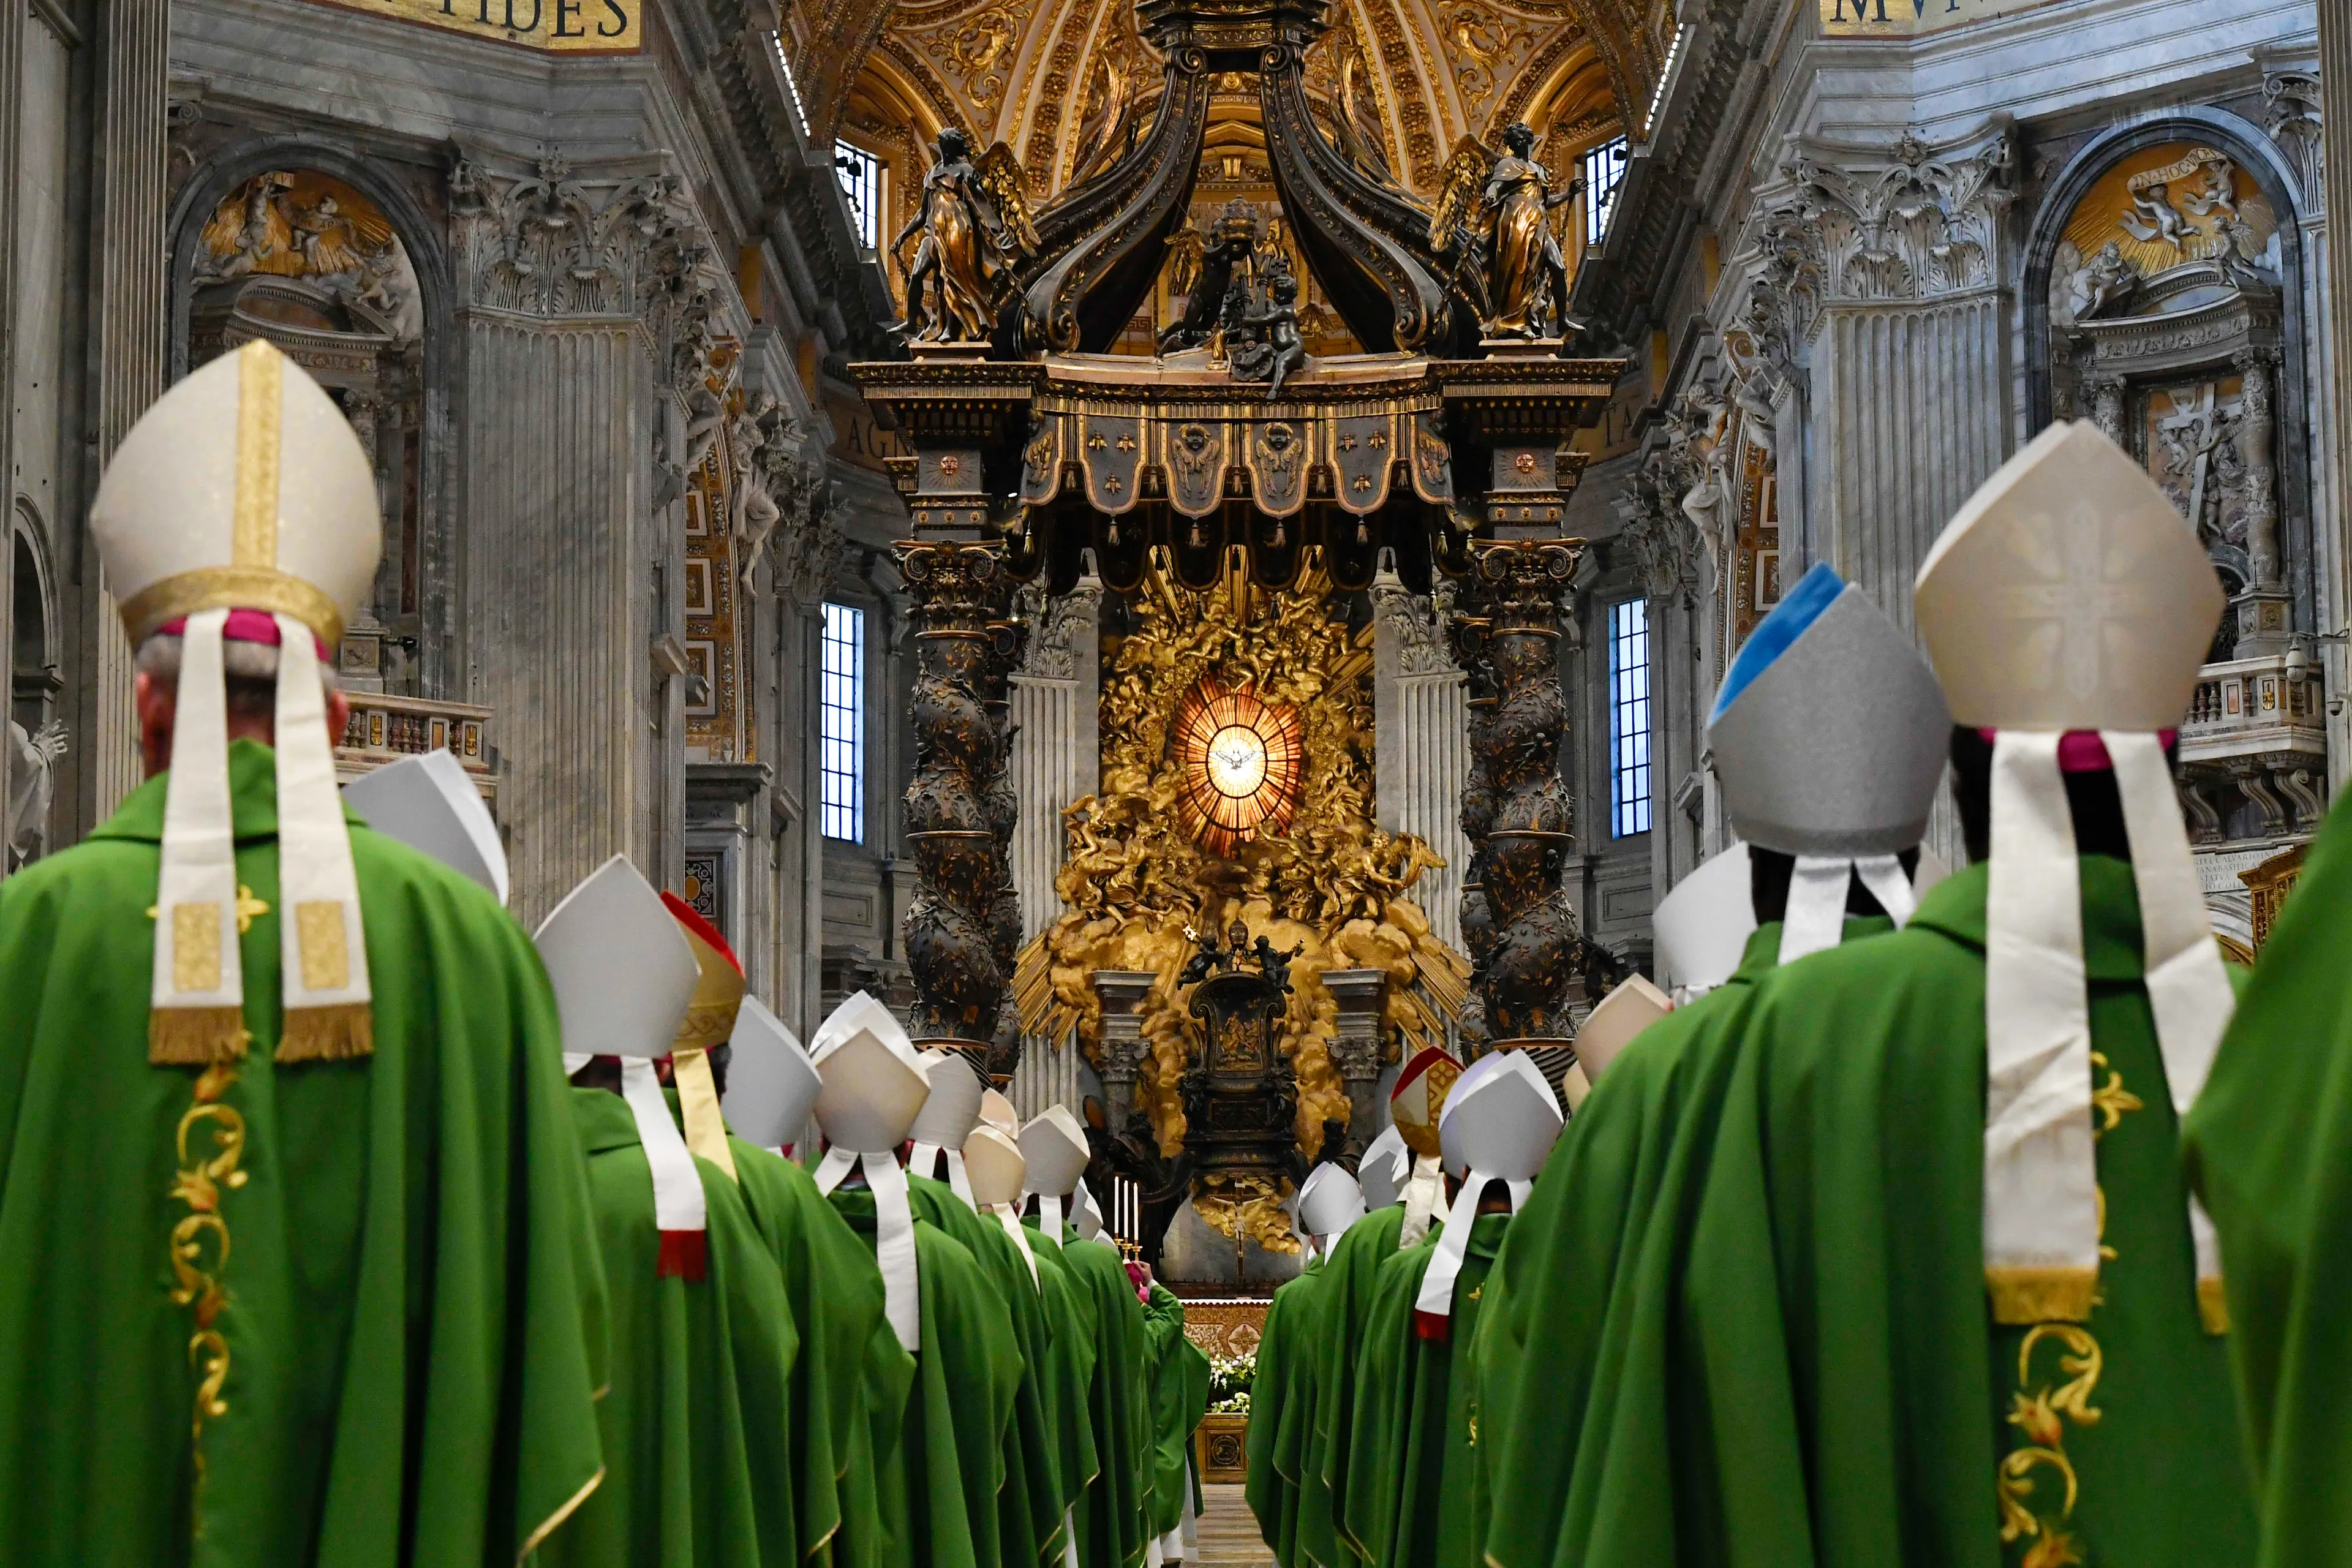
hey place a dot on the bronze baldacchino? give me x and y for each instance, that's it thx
(1494, 214)
(975, 227)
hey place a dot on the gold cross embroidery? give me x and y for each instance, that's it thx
(248, 909)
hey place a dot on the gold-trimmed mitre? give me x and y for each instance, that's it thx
(243, 488)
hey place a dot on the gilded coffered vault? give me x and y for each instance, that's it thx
(1069, 85)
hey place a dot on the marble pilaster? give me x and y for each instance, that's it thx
(569, 289)
(1420, 741)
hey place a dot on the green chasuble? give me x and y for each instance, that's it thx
(394, 1253)
(2265, 1144)
(1563, 1297)
(938, 1501)
(1180, 1396)
(1416, 1423)
(1828, 1386)
(697, 1425)
(1029, 1500)
(1351, 1278)
(1112, 1513)
(850, 1367)
(1282, 1407)
(1069, 1320)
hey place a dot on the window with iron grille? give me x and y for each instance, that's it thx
(1629, 718)
(1604, 168)
(841, 732)
(860, 174)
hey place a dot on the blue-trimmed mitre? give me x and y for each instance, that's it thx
(1830, 733)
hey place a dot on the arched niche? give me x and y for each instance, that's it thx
(33, 686)
(323, 254)
(2164, 281)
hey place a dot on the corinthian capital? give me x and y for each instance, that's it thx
(557, 243)
(1895, 220)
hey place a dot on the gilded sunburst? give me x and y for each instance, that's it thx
(1243, 765)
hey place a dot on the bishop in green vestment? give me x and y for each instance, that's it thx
(2265, 1145)
(295, 1261)
(698, 1422)
(1113, 1514)
(1282, 1407)
(1351, 1277)
(321, 1175)
(850, 1368)
(1180, 1396)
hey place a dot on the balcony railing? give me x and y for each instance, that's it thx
(2252, 706)
(383, 729)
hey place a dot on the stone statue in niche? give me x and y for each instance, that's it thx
(975, 227)
(32, 774)
(2093, 285)
(1494, 217)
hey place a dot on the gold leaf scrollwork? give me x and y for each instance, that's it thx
(200, 1238)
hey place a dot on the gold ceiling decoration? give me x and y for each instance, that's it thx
(1331, 883)
(1239, 763)
(1069, 85)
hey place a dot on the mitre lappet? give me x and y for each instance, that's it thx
(1829, 737)
(1379, 1170)
(241, 508)
(772, 1086)
(1499, 1122)
(1086, 1214)
(1328, 1202)
(1415, 1105)
(2068, 609)
(623, 975)
(872, 1088)
(1056, 1149)
(947, 1120)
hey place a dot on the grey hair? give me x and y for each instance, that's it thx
(251, 667)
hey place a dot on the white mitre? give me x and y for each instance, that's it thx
(1328, 1202)
(872, 1088)
(1057, 1151)
(2066, 601)
(995, 1170)
(242, 504)
(772, 1085)
(1702, 927)
(623, 974)
(1086, 1214)
(1625, 1013)
(947, 1119)
(1380, 1171)
(1498, 1125)
(429, 804)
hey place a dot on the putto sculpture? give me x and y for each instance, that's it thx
(975, 228)
(1494, 219)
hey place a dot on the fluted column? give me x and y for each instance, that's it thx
(1056, 759)
(571, 291)
(1420, 741)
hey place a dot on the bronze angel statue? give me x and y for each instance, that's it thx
(1494, 217)
(975, 227)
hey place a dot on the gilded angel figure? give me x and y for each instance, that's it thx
(1502, 239)
(976, 229)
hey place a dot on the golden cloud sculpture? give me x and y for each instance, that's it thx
(1319, 874)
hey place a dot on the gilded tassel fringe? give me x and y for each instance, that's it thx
(195, 1036)
(2213, 1306)
(339, 1033)
(2041, 1295)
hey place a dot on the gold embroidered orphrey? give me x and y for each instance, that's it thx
(2041, 1414)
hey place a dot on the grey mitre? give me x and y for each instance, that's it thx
(1837, 746)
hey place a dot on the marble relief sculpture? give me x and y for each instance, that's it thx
(32, 773)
